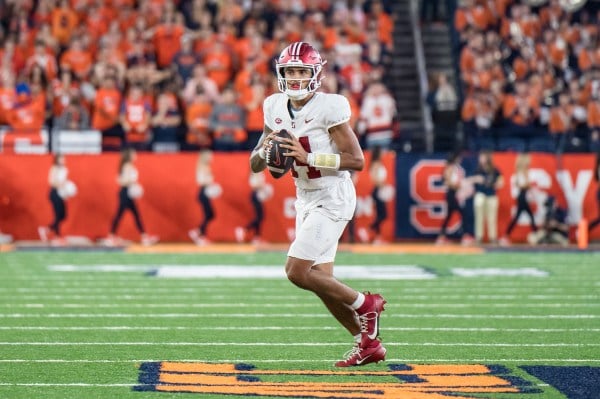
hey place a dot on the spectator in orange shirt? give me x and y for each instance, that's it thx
(106, 113)
(7, 96)
(561, 124)
(200, 78)
(356, 76)
(26, 115)
(521, 110)
(593, 116)
(219, 64)
(385, 23)
(167, 40)
(197, 117)
(107, 65)
(64, 21)
(96, 20)
(77, 59)
(11, 59)
(253, 98)
(63, 91)
(44, 59)
(167, 117)
(135, 118)
(38, 84)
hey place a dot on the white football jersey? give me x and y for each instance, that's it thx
(311, 126)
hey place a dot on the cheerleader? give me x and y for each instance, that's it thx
(61, 188)
(129, 190)
(381, 194)
(523, 184)
(596, 222)
(207, 189)
(261, 191)
(453, 180)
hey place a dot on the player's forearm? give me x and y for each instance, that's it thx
(257, 162)
(350, 161)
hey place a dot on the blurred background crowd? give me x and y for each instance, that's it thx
(170, 75)
(529, 74)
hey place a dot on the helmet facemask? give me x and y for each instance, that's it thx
(314, 82)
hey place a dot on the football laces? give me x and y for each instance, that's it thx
(268, 151)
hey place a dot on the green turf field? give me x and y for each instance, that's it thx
(85, 333)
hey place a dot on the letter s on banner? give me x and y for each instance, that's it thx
(429, 195)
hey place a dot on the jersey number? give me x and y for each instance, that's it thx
(312, 172)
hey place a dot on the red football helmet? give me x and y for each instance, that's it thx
(303, 55)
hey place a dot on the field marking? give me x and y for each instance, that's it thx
(371, 272)
(288, 315)
(308, 304)
(399, 360)
(287, 328)
(299, 297)
(306, 344)
(132, 288)
(69, 384)
(499, 272)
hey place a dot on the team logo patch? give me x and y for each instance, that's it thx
(414, 381)
(278, 120)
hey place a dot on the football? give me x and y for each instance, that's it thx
(278, 163)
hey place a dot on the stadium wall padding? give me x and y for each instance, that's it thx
(169, 206)
(420, 205)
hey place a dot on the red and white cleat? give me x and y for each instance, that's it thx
(359, 356)
(368, 315)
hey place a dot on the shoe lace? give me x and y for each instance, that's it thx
(364, 321)
(352, 352)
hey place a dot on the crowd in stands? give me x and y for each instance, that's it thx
(179, 74)
(530, 75)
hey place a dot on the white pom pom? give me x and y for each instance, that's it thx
(213, 190)
(265, 193)
(135, 191)
(67, 190)
(386, 193)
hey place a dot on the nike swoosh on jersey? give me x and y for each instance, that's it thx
(308, 120)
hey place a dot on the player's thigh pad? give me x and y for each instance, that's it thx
(317, 238)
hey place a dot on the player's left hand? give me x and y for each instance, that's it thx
(295, 149)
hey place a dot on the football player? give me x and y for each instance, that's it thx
(325, 149)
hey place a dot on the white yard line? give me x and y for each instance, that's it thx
(396, 298)
(71, 384)
(394, 360)
(307, 344)
(289, 315)
(293, 305)
(289, 328)
(134, 288)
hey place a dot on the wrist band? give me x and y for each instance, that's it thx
(324, 161)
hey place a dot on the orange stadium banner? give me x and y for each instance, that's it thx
(169, 206)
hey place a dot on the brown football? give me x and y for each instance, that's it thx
(278, 163)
